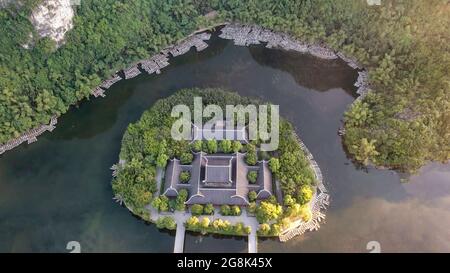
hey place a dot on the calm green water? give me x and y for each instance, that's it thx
(58, 189)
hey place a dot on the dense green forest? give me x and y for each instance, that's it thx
(405, 45)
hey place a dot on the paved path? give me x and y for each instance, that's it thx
(253, 241)
(278, 192)
(159, 174)
(180, 217)
(178, 246)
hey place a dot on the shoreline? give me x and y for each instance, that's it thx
(319, 202)
(29, 136)
(243, 35)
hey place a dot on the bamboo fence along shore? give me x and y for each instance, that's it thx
(157, 62)
(197, 41)
(131, 72)
(108, 83)
(245, 35)
(152, 65)
(319, 202)
(30, 136)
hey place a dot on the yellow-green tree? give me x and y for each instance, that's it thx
(366, 151)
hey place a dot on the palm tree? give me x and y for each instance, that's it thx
(119, 199)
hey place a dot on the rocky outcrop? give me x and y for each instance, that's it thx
(52, 19)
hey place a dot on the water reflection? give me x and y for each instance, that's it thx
(307, 70)
(195, 242)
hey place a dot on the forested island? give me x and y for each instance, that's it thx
(225, 186)
(404, 45)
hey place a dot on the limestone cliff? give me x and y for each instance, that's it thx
(53, 18)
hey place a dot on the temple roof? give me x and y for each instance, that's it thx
(218, 179)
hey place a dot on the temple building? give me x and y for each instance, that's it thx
(218, 179)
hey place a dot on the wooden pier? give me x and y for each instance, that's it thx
(98, 92)
(131, 72)
(197, 41)
(30, 136)
(155, 63)
(109, 82)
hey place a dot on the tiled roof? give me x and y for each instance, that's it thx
(218, 174)
(218, 197)
(264, 180)
(218, 169)
(228, 184)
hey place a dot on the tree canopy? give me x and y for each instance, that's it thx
(267, 212)
(405, 45)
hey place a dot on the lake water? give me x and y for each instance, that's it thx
(58, 189)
